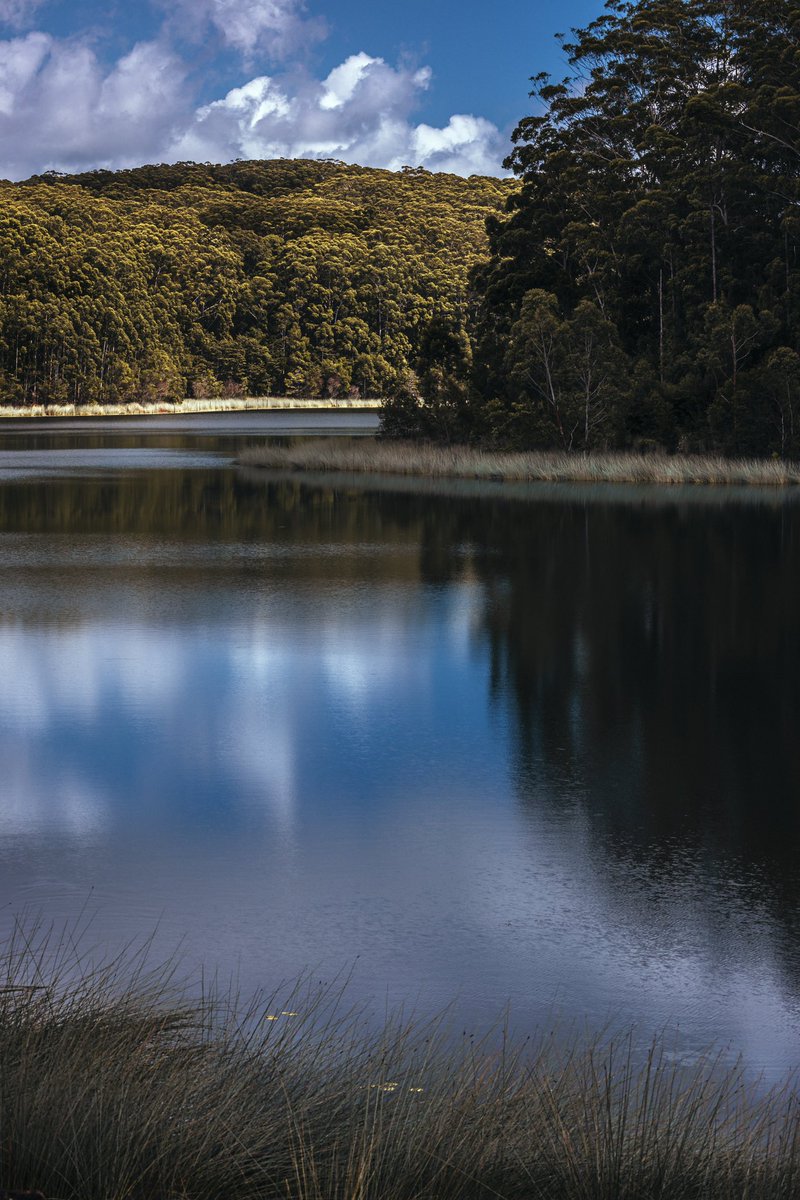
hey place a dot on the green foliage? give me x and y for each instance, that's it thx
(298, 278)
(567, 374)
(436, 401)
(660, 185)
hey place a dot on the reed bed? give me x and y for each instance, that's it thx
(116, 1085)
(421, 459)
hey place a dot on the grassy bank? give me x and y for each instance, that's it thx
(408, 458)
(110, 1091)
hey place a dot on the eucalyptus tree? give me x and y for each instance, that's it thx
(660, 184)
(305, 278)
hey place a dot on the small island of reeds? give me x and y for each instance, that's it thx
(118, 1085)
(367, 456)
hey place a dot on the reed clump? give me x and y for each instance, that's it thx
(364, 455)
(114, 1085)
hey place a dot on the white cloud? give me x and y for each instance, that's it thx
(360, 113)
(342, 82)
(466, 145)
(62, 109)
(17, 13)
(273, 28)
(20, 62)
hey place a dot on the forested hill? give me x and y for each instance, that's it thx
(285, 277)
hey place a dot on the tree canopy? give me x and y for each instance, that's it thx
(644, 283)
(285, 277)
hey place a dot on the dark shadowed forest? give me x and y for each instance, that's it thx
(645, 284)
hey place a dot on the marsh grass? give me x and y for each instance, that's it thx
(115, 1084)
(420, 459)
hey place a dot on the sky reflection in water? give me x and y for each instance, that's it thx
(490, 752)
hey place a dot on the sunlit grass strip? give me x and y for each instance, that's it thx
(114, 1085)
(157, 408)
(409, 458)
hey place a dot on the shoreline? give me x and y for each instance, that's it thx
(177, 408)
(409, 459)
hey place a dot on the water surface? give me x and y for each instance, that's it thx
(534, 746)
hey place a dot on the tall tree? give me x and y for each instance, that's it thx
(660, 183)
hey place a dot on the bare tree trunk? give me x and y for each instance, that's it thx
(586, 416)
(661, 324)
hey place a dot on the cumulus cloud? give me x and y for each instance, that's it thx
(61, 108)
(360, 113)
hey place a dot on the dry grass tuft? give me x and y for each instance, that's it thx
(409, 458)
(114, 1086)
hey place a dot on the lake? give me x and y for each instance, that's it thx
(469, 745)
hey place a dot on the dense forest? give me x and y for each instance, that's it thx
(288, 277)
(644, 286)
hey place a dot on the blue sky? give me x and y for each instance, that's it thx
(85, 83)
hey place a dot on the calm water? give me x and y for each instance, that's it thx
(477, 746)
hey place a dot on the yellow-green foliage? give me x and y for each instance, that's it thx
(305, 278)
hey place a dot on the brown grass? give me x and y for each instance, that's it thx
(115, 1085)
(407, 458)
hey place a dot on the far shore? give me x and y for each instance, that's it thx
(464, 462)
(201, 405)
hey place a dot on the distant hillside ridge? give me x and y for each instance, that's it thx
(286, 278)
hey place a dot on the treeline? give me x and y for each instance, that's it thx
(287, 277)
(644, 285)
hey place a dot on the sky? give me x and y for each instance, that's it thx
(118, 83)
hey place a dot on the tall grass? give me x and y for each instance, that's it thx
(409, 458)
(114, 1084)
